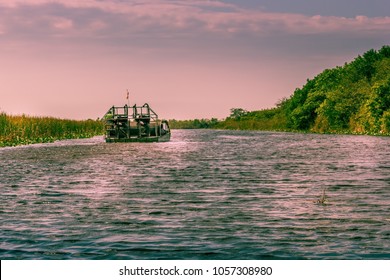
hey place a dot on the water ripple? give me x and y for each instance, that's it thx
(207, 194)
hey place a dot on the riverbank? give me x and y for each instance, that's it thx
(256, 125)
(23, 130)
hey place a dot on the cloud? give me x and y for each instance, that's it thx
(117, 18)
(61, 23)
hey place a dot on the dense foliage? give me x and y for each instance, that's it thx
(354, 98)
(193, 124)
(269, 119)
(21, 130)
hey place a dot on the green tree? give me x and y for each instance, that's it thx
(385, 127)
(378, 104)
(237, 113)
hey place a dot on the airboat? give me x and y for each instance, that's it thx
(135, 124)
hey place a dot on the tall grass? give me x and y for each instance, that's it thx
(22, 130)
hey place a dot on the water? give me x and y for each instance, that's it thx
(207, 194)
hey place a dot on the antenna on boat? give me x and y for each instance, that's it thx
(127, 97)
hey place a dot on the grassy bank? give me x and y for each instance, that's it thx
(22, 130)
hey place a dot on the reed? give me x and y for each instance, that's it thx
(23, 130)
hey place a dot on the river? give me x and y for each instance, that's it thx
(206, 194)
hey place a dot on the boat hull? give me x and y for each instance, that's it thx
(163, 138)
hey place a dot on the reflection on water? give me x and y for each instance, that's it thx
(207, 194)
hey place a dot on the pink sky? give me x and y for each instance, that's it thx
(187, 59)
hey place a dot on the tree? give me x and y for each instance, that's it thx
(237, 113)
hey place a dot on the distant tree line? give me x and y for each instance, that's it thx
(193, 124)
(354, 98)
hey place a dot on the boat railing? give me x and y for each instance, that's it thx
(137, 113)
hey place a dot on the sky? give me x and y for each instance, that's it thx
(187, 59)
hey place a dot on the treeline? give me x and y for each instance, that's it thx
(354, 98)
(193, 124)
(22, 130)
(268, 119)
